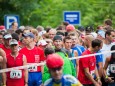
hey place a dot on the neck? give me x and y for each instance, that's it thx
(7, 46)
(107, 42)
(31, 46)
(92, 50)
(14, 54)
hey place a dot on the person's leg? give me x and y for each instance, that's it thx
(30, 79)
(38, 78)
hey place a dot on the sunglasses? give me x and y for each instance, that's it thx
(56, 69)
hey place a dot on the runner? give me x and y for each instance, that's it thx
(15, 77)
(55, 66)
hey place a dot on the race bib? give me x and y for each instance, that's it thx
(93, 73)
(32, 69)
(112, 68)
(16, 74)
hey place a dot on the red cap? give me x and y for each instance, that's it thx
(70, 28)
(2, 27)
(54, 61)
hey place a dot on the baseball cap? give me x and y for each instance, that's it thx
(13, 41)
(57, 37)
(81, 28)
(2, 27)
(42, 32)
(54, 61)
(30, 34)
(70, 28)
(7, 36)
(101, 33)
(42, 42)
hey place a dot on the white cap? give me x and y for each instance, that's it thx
(101, 33)
(42, 32)
(13, 41)
(94, 34)
(42, 42)
(7, 36)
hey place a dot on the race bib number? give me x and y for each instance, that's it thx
(93, 73)
(32, 69)
(16, 74)
(112, 68)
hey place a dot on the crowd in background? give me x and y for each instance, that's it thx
(22, 45)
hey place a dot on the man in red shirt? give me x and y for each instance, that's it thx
(6, 47)
(87, 66)
(33, 55)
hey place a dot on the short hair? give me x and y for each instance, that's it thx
(65, 23)
(15, 36)
(60, 27)
(60, 33)
(96, 42)
(13, 23)
(108, 22)
(108, 32)
(49, 50)
(67, 37)
(18, 31)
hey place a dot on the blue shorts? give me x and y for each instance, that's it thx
(34, 79)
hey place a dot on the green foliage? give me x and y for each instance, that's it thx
(50, 12)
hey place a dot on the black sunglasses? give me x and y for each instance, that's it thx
(55, 69)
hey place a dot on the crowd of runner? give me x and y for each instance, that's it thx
(26, 45)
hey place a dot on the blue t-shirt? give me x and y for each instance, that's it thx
(80, 49)
(99, 58)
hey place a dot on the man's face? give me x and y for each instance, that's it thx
(14, 47)
(74, 40)
(68, 43)
(27, 40)
(58, 44)
(56, 73)
(15, 26)
(6, 41)
(111, 37)
(51, 34)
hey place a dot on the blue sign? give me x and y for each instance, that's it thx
(8, 19)
(72, 17)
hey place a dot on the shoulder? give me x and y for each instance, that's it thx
(71, 79)
(47, 82)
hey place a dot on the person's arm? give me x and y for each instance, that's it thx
(89, 76)
(109, 79)
(100, 70)
(3, 54)
(77, 62)
(97, 76)
(25, 70)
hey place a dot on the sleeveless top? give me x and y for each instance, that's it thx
(112, 67)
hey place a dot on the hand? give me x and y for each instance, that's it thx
(99, 82)
(109, 79)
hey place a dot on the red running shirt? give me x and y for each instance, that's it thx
(35, 55)
(7, 50)
(87, 62)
